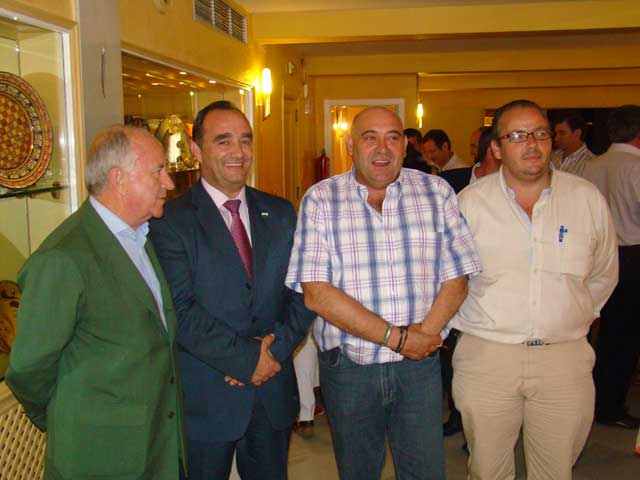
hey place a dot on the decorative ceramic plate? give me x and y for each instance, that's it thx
(25, 133)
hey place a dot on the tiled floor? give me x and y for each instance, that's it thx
(608, 454)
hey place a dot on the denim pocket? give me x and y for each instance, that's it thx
(331, 358)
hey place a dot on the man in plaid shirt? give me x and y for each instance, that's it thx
(382, 255)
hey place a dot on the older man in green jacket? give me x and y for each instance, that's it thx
(94, 362)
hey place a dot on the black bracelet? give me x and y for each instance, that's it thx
(402, 340)
(399, 340)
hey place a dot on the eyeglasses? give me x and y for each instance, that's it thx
(521, 136)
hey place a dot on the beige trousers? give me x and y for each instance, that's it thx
(546, 390)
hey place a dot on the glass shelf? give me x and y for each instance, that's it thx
(34, 190)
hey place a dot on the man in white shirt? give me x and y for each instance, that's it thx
(572, 155)
(549, 256)
(437, 151)
(617, 176)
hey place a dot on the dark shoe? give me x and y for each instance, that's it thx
(629, 422)
(304, 429)
(452, 426)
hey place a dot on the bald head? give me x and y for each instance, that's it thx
(375, 113)
(473, 143)
(377, 145)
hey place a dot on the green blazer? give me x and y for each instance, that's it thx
(92, 362)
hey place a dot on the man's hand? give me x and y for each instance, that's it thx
(233, 381)
(267, 365)
(419, 344)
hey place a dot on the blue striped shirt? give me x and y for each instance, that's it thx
(133, 242)
(392, 262)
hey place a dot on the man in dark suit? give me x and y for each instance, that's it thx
(94, 362)
(237, 323)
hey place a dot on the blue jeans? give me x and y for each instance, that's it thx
(365, 402)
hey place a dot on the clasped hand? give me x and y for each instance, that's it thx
(266, 368)
(419, 343)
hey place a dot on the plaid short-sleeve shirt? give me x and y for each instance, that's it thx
(391, 262)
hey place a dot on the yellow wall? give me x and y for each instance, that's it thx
(460, 112)
(176, 38)
(269, 165)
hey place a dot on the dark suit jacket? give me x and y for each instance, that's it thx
(220, 311)
(458, 178)
(92, 362)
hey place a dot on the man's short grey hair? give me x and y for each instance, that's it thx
(110, 149)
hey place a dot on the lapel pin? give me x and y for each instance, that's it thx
(264, 214)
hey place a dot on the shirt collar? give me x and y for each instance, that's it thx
(219, 198)
(625, 147)
(116, 225)
(577, 153)
(452, 161)
(394, 189)
(512, 193)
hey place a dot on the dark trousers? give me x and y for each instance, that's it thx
(618, 345)
(446, 356)
(261, 453)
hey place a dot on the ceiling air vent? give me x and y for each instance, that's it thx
(222, 16)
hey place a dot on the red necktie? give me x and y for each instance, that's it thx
(240, 237)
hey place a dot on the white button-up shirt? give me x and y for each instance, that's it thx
(543, 278)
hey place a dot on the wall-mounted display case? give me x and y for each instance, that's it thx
(38, 184)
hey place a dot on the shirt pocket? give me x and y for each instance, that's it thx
(573, 256)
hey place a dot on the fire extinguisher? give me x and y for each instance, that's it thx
(322, 166)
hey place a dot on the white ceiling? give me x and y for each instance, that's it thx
(266, 6)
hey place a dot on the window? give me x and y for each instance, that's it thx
(221, 15)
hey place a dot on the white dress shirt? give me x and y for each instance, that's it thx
(454, 162)
(219, 198)
(617, 176)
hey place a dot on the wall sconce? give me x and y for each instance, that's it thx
(340, 126)
(266, 88)
(420, 114)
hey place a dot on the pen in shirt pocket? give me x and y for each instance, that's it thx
(561, 233)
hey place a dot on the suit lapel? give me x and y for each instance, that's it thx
(165, 291)
(260, 231)
(216, 231)
(115, 259)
